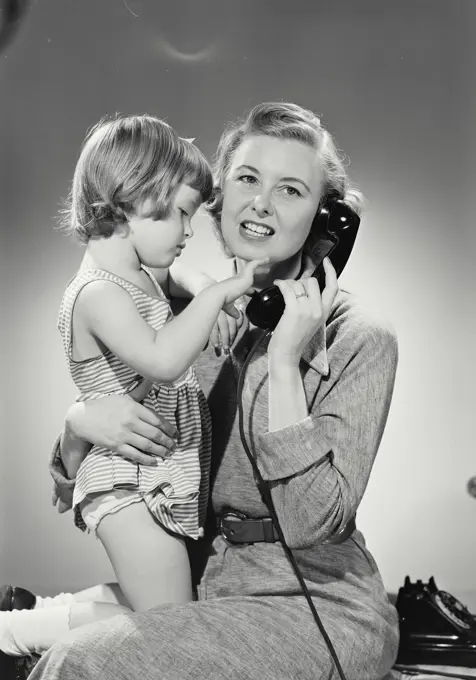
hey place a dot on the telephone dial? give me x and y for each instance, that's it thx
(333, 232)
(435, 628)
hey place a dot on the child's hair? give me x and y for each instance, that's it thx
(124, 161)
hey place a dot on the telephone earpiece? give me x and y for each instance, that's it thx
(332, 235)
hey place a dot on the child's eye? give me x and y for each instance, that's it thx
(183, 212)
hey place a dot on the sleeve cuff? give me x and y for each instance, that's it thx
(291, 450)
(63, 487)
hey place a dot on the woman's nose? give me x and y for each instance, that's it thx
(263, 205)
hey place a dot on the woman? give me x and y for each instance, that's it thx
(316, 399)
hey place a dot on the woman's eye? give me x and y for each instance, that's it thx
(247, 179)
(183, 212)
(292, 191)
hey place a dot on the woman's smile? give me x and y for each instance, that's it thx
(256, 230)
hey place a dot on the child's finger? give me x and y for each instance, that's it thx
(232, 310)
(251, 267)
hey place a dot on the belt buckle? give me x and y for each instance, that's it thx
(226, 533)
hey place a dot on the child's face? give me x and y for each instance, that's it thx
(159, 242)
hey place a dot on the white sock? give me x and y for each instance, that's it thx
(61, 599)
(27, 631)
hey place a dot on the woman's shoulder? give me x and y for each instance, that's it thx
(352, 318)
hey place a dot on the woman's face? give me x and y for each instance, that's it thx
(270, 198)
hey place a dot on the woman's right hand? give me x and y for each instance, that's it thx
(306, 310)
(124, 426)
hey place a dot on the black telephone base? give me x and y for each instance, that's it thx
(436, 655)
(435, 628)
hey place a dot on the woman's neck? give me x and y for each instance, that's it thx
(265, 276)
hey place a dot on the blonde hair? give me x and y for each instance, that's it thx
(124, 161)
(284, 121)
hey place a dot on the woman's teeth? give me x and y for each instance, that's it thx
(257, 228)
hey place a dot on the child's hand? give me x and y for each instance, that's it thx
(240, 284)
(230, 319)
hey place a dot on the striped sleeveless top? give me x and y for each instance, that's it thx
(176, 490)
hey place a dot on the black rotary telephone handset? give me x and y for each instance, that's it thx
(333, 232)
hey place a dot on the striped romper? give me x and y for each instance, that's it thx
(176, 490)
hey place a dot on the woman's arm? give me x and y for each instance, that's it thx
(318, 457)
(305, 312)
(287, 399)
(319, 465)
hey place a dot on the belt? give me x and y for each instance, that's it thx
(236, 527)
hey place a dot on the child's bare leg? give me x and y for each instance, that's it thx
(151, 565)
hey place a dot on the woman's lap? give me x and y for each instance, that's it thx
(249, 638)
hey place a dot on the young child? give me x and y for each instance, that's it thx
(135, 189)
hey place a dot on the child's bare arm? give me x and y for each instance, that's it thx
(112, 317)
(185, 281)
(182, 281)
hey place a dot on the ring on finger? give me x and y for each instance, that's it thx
(299, 289)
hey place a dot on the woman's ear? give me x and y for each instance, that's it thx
(216, 198)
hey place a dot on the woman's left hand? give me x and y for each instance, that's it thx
(224, 332)
(306, 310)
